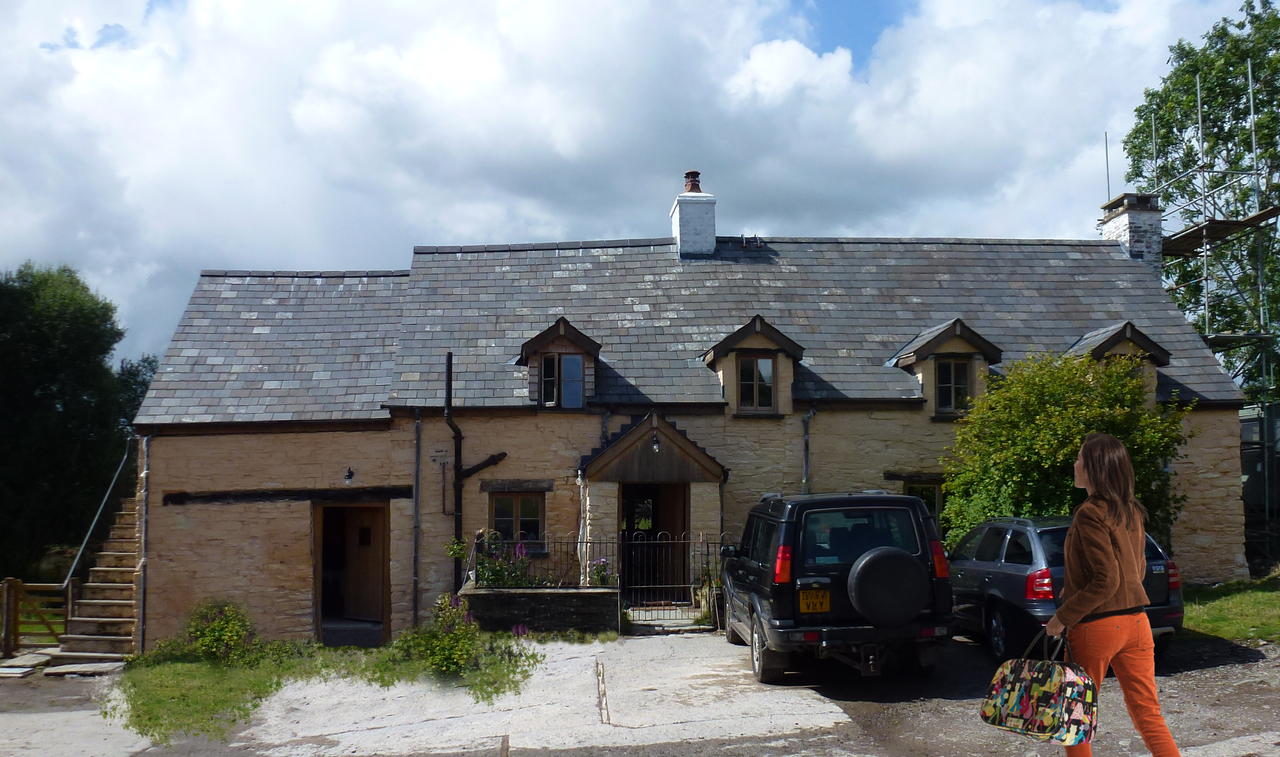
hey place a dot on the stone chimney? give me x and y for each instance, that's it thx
(693, 218)
(1133, 220)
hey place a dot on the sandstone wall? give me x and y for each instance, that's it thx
(1208, 537)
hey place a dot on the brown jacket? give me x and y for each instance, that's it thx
(1105, 565)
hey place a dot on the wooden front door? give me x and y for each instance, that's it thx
(366, 563)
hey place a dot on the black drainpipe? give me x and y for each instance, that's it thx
(460, 474)
(417, 504)
(805, 482)
(457, 465)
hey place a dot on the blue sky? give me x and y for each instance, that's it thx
(144, 140)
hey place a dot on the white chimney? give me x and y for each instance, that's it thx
(1133, 220)
(693, 218)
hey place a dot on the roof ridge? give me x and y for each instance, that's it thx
(388, 273)
(526, 246)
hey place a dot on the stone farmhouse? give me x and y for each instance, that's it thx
(599, 388)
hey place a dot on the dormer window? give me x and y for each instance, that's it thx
(755, 382)
(562, 364)
(952, 385)
(562, 381)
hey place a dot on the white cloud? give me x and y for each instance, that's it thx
(142, 146)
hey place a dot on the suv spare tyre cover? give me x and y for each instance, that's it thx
(888, 586)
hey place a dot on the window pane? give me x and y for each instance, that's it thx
(504, 507)
(944, 373)
(989, 547)
(570, 393)
(1018, 550)
(961, 374)
(530, 507)
(531, 529)
(765, 397)
(965, 549)
(763, 550)
(549, 380)
(570, 367)
(746, 382)
(1054, 542)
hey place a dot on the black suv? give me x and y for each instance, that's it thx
(861, 578)
(1007, 582)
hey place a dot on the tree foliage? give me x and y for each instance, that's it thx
(1166, 161)
(67, 410)
(1014, 453)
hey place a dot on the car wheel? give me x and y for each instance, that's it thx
(730, 635)
(765, 665)
(998, 633)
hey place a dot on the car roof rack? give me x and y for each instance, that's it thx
(1015, 521)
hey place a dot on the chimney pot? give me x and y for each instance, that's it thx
(691, 182)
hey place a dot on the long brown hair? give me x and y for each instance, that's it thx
(1107, 464)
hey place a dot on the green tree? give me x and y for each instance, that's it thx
(1242, 269)
(67, 412)
(1014, 453)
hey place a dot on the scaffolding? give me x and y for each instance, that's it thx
(1222, 215)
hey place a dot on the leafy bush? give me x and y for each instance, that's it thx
(499, 563)
(1015, 452)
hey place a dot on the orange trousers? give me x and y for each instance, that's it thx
(1124, 643)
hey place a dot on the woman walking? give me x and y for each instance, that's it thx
(1103, 602)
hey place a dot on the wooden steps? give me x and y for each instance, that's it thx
(101, 627)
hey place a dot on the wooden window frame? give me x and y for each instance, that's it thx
(541, 497)
(938, 387)
(555, 383)
(755, 357)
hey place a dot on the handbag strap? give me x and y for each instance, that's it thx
(1061, 641)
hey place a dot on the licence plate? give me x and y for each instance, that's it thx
(812, 600)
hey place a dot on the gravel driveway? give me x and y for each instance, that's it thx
(679, 696)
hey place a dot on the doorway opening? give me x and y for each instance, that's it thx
(353, 575)
(654, 536)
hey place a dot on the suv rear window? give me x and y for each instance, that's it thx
(840, 537)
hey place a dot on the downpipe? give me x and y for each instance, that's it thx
(145, 475)
(806, 482)
(417, 505)
(457, 465)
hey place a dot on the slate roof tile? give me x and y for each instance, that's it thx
(361, 340)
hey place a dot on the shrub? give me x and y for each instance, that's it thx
(499, 563)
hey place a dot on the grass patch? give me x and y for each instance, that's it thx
(1240, 610)
(215, 674)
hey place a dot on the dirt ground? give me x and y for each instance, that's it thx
(1215, 696)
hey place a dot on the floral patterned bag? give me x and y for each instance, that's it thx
(1043, 699)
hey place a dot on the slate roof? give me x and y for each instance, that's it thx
(853, 304)
(281, 346)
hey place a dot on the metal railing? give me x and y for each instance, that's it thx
(98, 515)
(660, 577)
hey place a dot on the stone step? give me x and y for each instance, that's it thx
(117, 560)
(111, 575)
(105, 608)
(120, 545)
(88, 643)
(91, 591)
(80, 626)
(83, 658)
(128, 505)
(129, 519)
(124, 532)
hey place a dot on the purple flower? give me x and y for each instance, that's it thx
(520, 550)
(454, 601)
(520, 630)
(467, 618)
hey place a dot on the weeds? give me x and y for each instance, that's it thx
(1236, 610)
(217, 671)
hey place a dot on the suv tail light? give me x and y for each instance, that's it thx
(940, 568)
(1040, 584)
(782, 566)
(1175, 577)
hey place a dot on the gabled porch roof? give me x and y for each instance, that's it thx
(652, 450)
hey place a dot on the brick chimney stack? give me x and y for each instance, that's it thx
(693, 218)
(1133, 220)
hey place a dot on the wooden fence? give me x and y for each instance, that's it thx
(34, 615)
